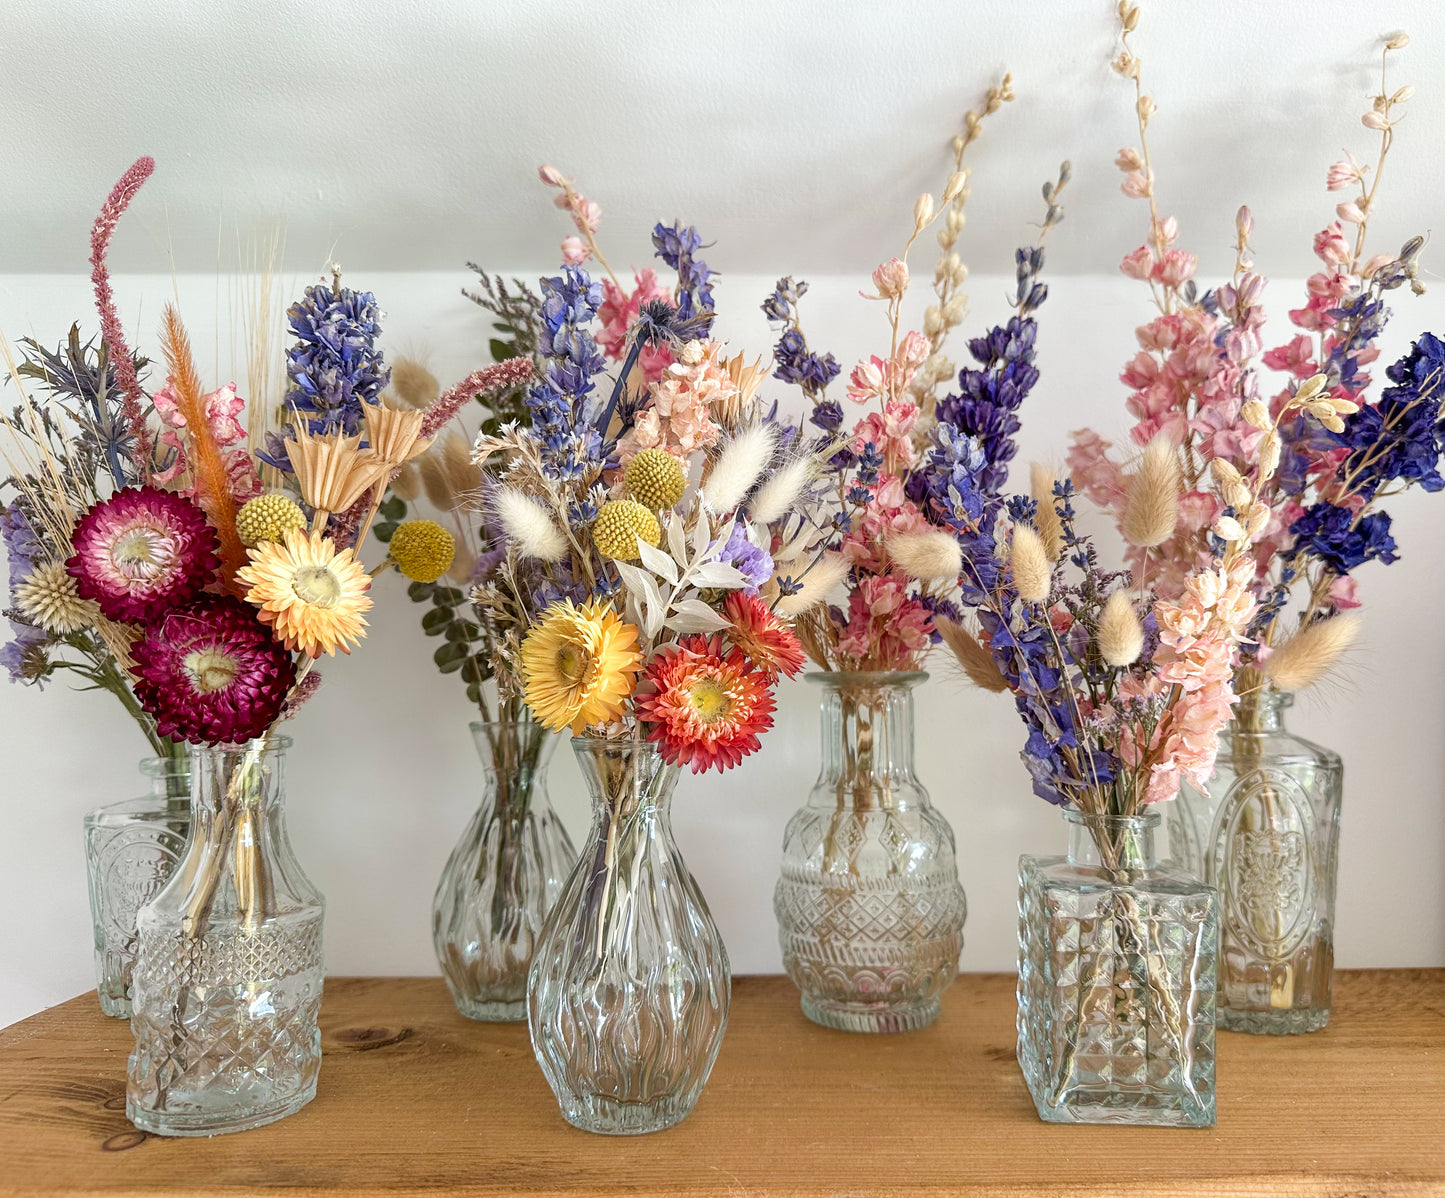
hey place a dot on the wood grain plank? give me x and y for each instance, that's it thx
(415, 1100)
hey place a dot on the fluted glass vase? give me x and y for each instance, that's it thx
(503, 876)
(228, 976)
(870, 911)
(1267, 835)
(130, 849)
(630, 986)
(1116, 980)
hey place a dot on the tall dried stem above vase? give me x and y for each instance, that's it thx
(630, 986)
(1116, 989)
(130, 849)
(503, 876)
(869, 907)
(1267, 836)
(229, 971)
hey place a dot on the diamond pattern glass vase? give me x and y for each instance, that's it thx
(228, 975)
(1267, 835)
(629, 992)
(1116, 997)
(870, 911)
(130, 849)
(503, 876)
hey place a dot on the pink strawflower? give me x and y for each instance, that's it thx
(211, 672)
(141, 552)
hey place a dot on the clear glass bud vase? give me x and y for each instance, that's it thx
(630, 986)
(870, 911)
(1267, 835)
(1116, 981)
(228, 977)
(130, 849)
(503, 876)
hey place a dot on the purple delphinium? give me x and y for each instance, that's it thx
(562, 416)
(1341, 539)
(23, 656)
(796, 363)
(1399, 438)
(755, 563)
(678, 247)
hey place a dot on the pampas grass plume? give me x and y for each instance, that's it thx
(1121, 635)
(528, 523)
(932, 556)
(739, 467)
(1151, 508)
(817, 584)
(976, 661)
(1046, 519)
(1033, 575)
(778, 494)
(1311, 653)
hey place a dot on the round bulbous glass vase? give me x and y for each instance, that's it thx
(1116, 982)
(1267, 836)
(130, 849)
(228, 975)
(503, 876)
(869, 907)
(629, 992)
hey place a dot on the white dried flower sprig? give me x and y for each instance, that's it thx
(662, 593)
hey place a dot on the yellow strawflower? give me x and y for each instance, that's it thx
(579, 665)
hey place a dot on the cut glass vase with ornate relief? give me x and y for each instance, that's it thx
(630, 985)
(503, 876)
(1116, 980)
(869, 907)
(228, 975)
(1267, 835)
(130, 849)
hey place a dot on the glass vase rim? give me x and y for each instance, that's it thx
(1144, 820)
(166, 766)
(475, 726)
(1272, 698)
(593, 744)
(840, 679)
(276, 743)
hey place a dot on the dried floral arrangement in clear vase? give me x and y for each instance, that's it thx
(869, 906)
(1204, 388)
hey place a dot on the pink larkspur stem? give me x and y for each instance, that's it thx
(488, 378)
(132, 401)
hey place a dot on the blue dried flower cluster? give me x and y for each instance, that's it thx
(22, 550)
(678, 247)
(1341, 539)
(1399, 439)
(796, 363)
(561, 415)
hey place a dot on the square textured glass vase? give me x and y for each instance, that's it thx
(1116, 990)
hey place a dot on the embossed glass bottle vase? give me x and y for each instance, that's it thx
(130, 849)
(228, 977)
(503, 876)
(630, 986)
(870, 911)
(1116, 980)
(1267, 836)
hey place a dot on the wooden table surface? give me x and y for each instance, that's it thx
(416, 1100)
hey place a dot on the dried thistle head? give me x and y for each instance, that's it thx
(1151, 506)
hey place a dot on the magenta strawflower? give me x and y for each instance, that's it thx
(211, 672)
(141, 552)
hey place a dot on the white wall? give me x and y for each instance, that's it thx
(383, 777)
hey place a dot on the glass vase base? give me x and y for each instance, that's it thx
(609, 1117)
(201, 1122)
(117, 1006)
(871, 1017)
(1272, 1023)
(491, 1012)
(1111, 1105)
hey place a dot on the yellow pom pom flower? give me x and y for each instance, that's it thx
(267, 518)
(310, 592)
(655, 479)
(620, 525)
(579, 665)
(422, 550)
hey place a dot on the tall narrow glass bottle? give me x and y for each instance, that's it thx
(870, 911)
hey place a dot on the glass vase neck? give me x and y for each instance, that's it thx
(509, 746)
(1262, 711)
(1111, 844)
(625, 777)
(170, 776)
(867, 736)
(240, 777)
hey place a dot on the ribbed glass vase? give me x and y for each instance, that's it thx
(630, 986)
(229, 971)
(130, 849)
(870, 911)
(503, 876)
(1267, 835)
(1116, 981)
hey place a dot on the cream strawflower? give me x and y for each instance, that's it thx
(310, 592)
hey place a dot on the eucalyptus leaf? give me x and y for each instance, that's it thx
(420, 592)
(436, 621)
(384, 531)
(450, 657)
